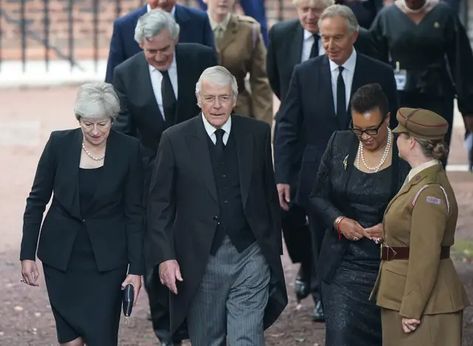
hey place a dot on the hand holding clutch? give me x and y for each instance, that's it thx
(128, 296)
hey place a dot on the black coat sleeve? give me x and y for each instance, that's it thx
(460, 60)
(322, 191)
(134, 212)
(288, 124)
(124, 122)
(37, 200)
(159, 243)
(271, 192)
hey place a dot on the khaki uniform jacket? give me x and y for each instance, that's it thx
(242, 51)
(422, 216)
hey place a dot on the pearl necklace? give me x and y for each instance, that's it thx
(89, 154)
(376, 168)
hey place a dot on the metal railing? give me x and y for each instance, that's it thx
(67, 52)
(43, 37)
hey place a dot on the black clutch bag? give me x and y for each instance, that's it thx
(128, 296)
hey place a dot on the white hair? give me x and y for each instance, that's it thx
(218, 75)
(96, 100)
(152, 23)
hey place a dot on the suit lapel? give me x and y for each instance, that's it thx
(146, 88)
(244, 145)
(326, 83)
(71, 159)
(180, 16)
(182, 78)
(349, 163)
(198, 146)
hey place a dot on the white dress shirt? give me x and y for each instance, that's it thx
(307, 46)
(211, 130)
(347, 74)
(156, 79)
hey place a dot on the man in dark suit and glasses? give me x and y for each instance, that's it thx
(316, 105)
(290, 43)
(156, 90)
(213, 221)
(194, 24)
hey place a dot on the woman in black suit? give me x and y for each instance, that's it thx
(91, 238)
(359, 173)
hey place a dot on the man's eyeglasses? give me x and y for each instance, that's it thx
(369, 132)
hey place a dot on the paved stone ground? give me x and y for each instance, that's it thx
(26, 118)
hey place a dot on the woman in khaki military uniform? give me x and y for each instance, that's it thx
(240, 48)
(418, 289)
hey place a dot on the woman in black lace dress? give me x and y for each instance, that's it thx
(359, 173)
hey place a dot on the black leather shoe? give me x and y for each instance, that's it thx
(301, 286)
(318, 313)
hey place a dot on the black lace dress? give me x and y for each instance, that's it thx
(351, 318)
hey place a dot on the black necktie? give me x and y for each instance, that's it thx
(314, 51)
(169, 99)
(219, 146)
(341, 99)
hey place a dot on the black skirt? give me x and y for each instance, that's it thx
(85, 302)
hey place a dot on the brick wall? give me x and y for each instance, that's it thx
(10, 32)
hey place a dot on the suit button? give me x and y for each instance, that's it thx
(224, 175)
(215, 218)
(225, 202)
(83, 220)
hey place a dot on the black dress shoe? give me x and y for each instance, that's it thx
(301, 286)
(318, 313)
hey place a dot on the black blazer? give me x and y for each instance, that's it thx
(308, 116)
(328, 197)
(194, 28)
(183, 207)
(140, 115)
(115, 221)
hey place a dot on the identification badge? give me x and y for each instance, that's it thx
(400, 76)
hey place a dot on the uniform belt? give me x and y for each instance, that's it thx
(389, 253)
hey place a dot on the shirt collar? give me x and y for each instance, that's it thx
(416, 170)
(308, 34)
(349, 64)
(223, 24)
(173, 11)
(211, 129)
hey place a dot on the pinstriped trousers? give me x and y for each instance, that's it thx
(228, 307)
